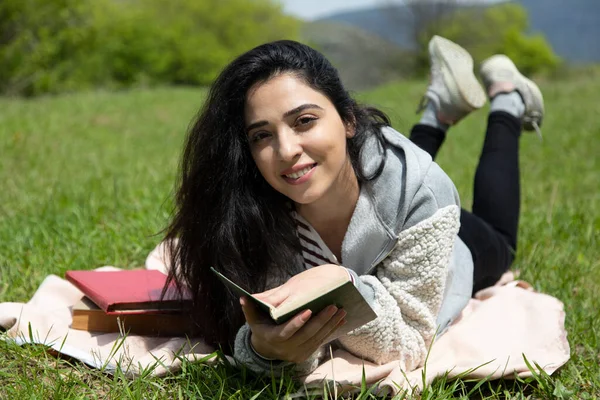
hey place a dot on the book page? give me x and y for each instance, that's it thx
(307, 296)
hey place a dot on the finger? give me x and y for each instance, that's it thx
(288, 329)
(251, 312)
(266, 292)
(311, 347)
(320, 337)
(314, 325)
(333, 334)
(274, 296)
(326, 330)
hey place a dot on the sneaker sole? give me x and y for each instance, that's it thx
(457, 70)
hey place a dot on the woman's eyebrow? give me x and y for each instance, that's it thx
(300, 109)
(255, 125)
(293, 111)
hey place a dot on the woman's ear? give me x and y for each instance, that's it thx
(350, 129)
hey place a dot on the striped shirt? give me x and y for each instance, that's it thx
(314, 251)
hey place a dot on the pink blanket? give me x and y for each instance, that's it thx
(497, 330)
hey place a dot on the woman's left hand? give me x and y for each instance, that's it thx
(298, 338)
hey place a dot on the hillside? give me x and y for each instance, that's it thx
(363, 59)
(88, 180)
(572, 27)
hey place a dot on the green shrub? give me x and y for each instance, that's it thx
(532, 54)
(35, 37)
(485, 31)
(50, 46)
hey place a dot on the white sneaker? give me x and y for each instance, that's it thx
(500, 75)
(454, 89)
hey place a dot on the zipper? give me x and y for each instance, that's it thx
(383, 254)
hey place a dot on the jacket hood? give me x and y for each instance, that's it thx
(383, 203)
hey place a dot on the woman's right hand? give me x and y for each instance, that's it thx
(294, 340)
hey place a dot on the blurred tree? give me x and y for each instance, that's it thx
(35, 37)
(64, 45)
(485, 31)
(426, 17)
(214, 32)
(482, 30)
(423, 18)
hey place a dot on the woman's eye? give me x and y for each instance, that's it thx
(259, 136)
(303, 121)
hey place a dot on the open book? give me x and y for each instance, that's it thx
(341, 293)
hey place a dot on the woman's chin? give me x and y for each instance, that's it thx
(305, 199)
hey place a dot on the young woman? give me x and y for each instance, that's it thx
(288, 183)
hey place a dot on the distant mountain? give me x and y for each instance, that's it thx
(572, 27)
(363, 59)
(393, 25)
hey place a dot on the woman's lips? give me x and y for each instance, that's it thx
(305, 177)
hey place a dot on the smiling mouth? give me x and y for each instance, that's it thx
(301, 173)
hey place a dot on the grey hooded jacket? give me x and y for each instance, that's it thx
(402, 246)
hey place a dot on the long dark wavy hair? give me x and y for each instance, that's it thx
(226, 215)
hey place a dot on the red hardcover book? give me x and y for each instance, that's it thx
(128, 291)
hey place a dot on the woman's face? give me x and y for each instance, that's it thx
(297, 139)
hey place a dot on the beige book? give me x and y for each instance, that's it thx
(87, 316)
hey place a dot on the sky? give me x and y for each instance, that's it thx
(313, 9)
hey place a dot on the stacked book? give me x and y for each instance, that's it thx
(130, 302)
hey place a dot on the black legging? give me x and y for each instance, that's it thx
(490, 231)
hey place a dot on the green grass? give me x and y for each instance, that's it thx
(87, 179)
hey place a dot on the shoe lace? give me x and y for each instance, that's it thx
(537, 129)
(422, 104)
(533, 119)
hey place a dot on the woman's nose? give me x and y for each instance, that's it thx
(289, 145)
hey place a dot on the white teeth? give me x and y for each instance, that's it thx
(300, 173)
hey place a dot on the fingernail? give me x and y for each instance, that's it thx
(332, 310)
(306, 316)
(341, 313)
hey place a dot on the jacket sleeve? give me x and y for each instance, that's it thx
(245, 354)
(407, 291)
